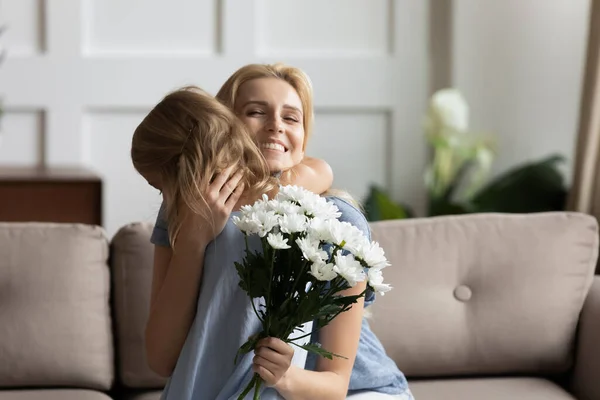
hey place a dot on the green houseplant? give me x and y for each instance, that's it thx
(456, 178)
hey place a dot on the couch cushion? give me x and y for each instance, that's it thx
(55, 322)
(57, 394)
(489, 389)
(132, 256)
(142, 396)
(486, 293)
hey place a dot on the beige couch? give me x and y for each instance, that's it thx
(484, 307)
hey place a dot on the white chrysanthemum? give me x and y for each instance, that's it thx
(293, 223)
(329, 231)
(318, 207)
(375, 278)
(354, 237)
(322, 271)
(342, 234)
(267, 220)
(249, 214)
(349, 269)
(277, 241)
(310, 249)
(292, 193)
(284, 207)
(373, 255)
(317, 229)
(246, 224)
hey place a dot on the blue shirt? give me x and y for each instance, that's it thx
(225, 319)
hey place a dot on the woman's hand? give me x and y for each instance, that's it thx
(272, 359)
(221, 196)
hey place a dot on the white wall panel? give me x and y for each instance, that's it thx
(24, 22)
(519, 64)
(356, 144)
(331, 28)
(126, 195)
(106, 62)
(22, 138)
(151, 27)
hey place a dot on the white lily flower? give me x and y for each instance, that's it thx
(349, 269)
(375, 278)
(277, 241)
(449, 108)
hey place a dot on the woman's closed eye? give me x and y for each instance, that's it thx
(292, 119)
(255, 113)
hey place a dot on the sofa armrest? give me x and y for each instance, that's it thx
(586, 379)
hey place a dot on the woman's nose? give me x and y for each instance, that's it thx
(275, 125)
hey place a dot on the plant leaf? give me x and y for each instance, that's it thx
(532, 187)
(379, 206)
(317, 349)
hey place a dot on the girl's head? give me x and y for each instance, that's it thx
(187, 139)
(276, 103)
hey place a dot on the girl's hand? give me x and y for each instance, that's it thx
(221, 196)
(272, 359)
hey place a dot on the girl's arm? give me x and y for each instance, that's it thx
(313, 174)
(177, 275)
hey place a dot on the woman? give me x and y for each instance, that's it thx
(258, 94)
(274, 111)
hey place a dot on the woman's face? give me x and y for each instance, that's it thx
(272, 109)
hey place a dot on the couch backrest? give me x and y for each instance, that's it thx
(131, 261)
(55, 319)
(486, 293)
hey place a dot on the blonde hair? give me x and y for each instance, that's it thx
(188, 138)
(294, 76)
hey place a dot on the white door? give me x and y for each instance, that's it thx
(81, 74)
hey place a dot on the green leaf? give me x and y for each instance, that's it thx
(532, 187)
(379, 206)
(254, 275)
(246, 348)
(317, 349)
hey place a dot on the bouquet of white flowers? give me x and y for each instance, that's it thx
(308, 257)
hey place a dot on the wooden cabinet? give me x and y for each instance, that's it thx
(50, 195)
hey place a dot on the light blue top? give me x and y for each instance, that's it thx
(225, 319)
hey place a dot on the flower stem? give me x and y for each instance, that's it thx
(257, 388)
(268, 300)
(248, 388)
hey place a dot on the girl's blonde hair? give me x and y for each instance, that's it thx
(294, 76)
(186, 140)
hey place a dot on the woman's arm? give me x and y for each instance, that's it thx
(313, 174)
(177, 276)
(331, 379)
